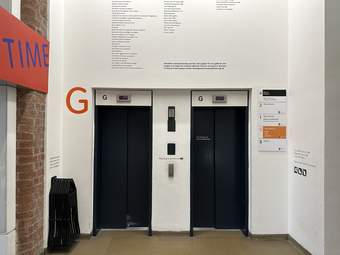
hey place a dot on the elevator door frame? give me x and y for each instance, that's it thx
(246, 230)
(95, 228)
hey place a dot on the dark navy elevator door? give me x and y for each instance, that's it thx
(123, 177)
(219, 168)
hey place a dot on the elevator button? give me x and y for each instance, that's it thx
(171, 119)
(171, 149)
(171, 170)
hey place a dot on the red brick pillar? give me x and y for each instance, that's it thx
(30, 171)
(34, 14)
(30, 149)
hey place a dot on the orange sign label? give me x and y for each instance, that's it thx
(84, 103)
(274, 132)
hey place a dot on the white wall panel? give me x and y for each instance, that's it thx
(11, 157)
(3, 158)
(54, 103)
(8, 155)
(7, 169)
(171, 196)
(268, 182)
(306, 117)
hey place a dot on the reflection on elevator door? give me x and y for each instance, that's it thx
(123, 177)
(219, 168)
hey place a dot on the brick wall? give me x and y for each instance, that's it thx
(30, 149)
(30, 171)
(34, 14)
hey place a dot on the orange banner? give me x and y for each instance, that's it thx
(24, 54)
(274, 132)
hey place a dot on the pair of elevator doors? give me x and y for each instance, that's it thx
(123, 167)
(219, 168)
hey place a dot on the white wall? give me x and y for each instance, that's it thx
(3, 157)
(332, 121)
(306, 122)
(268, 183)
(16, 8)
(54, 102)
(171, 196)
(268, 200)
(78, 149)
(252, 39)
(11, 167)
(8, 171)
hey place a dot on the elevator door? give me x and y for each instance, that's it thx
(219, 168)
(123, 167)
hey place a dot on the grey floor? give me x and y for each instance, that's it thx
(207, 243)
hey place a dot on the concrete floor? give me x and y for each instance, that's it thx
(205, 243)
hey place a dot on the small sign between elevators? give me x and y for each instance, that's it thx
(171, 158)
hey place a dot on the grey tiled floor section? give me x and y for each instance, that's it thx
(207, 243)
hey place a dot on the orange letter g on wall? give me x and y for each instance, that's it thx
(83, 102)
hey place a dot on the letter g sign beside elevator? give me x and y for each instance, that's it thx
(76, 100)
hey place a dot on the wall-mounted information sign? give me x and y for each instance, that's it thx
(272, 120)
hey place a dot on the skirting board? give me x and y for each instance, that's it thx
(299, 246)
(269, 237)
(169, 233)
(296, 244)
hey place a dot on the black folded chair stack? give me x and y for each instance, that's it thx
(63, 214)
